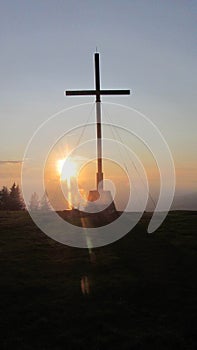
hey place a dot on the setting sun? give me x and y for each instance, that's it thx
(66, 169)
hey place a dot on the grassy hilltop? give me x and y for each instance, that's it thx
(137, 293)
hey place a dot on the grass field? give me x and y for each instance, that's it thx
(138, 293)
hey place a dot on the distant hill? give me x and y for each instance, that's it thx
(185, 201)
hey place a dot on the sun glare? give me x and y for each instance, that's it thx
(66, 169)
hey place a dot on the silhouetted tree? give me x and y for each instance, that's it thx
(44, 203)
(15, 199)
(34, 203)
(4, 198)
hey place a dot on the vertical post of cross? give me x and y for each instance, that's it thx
(98, 124)
(98, 92)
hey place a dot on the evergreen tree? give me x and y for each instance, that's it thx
(45, 204)
(4, 198)
(15, 200)
(34, 203)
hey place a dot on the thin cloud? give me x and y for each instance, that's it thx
(11, 161)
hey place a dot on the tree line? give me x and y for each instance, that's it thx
(11, 199)
(42, 204)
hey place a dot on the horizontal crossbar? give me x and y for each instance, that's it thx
(94, 92)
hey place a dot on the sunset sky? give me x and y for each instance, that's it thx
(146, 46)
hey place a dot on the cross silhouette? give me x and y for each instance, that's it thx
(98, 92)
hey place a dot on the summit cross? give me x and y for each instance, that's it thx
(98, 92)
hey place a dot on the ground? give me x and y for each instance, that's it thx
(137, 293)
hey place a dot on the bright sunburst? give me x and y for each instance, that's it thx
(66, 169)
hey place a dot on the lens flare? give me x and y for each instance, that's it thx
(66, 168)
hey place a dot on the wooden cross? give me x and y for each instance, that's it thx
(98, 92)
